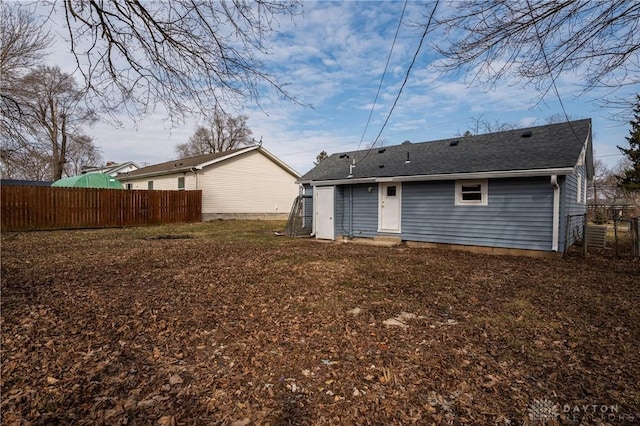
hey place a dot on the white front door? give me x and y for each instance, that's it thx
(389, 206)
(323, 206)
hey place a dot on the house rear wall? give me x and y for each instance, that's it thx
(518, 214)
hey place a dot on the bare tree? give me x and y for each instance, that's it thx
(597, 192)
(55, 100)
(33, 161)
(186, 55)
(198, 144)
(81, 152)
(559, 117)
(23, 45)
(53, 116)
(481, 125)
(606, 192)
(27, 162)
(321, 157)
(537, 40)
(222, 133)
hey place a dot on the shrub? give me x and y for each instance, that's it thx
(599, 216)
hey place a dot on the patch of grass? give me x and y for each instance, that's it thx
(347, 284)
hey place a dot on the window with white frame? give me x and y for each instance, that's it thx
(181, 183)
(471, 192)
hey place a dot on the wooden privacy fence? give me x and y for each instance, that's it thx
(34, 208)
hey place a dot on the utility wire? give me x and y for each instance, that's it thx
(553, 80)
(608, 155)
(395, 37)
(406, 77)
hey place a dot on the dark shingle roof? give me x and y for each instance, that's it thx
(181, 164)
(547, 147)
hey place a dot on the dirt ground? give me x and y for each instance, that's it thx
(224, 323)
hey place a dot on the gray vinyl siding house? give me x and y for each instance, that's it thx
(519, 189)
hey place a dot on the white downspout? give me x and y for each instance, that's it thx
(314, 216)
(556, 213)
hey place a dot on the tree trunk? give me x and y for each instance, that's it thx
(58, 166)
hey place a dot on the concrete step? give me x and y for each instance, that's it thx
(387, 240)
(382, 240)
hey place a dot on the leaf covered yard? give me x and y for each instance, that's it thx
(225, 323)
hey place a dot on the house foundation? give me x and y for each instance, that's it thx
(385, 241)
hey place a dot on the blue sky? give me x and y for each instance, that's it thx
(333, 57)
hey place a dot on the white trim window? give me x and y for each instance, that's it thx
(472, 193)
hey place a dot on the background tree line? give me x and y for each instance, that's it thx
(221, 132)
(43, 115)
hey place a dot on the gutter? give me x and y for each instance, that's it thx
(350, 211)
(439, 177)
(158, 173)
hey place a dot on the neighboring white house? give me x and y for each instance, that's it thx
(112, 169)
(244, 183)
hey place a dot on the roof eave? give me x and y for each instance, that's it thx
(225, 157)
(260, 149)
(122, 166)
(202, 165)
(279, 162)
(126, 176)
(447, 176)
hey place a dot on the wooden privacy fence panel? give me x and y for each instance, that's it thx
(33, 207)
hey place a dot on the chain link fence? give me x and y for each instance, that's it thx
(626, 237)
(619, 237)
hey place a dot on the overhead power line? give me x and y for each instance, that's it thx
(406, 77)
(386, 66)
(553, 80)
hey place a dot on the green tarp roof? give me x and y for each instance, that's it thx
(89, 180)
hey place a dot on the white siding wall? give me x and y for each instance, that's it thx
(249, 183)
(166, 182)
